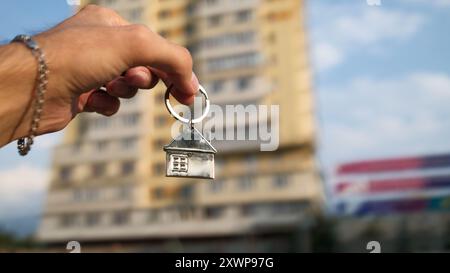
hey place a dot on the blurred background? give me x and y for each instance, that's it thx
(363, 89)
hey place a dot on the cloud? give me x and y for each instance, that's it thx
(376, 25)
(326, 56)
(434, 3)
(353, 28)
(439, 3)
(369, 118)
(22, 190)
(49, 141)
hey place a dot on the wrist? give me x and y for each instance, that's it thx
(17, 86)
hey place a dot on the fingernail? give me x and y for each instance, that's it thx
(195, 82)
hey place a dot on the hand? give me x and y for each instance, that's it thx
(91, 49)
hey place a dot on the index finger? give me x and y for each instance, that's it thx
(179, 96)
(146, 48)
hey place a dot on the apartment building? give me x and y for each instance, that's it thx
(108, 180)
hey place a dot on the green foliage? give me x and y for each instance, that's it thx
(9, 242)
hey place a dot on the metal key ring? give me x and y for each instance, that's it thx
(180, 118)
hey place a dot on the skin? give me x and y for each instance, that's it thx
(93, 48)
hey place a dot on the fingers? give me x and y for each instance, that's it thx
(141, 77)
(120, 88)
(127, 86)
(145, 48)
(181, 97)
(99, 102)
(135, 78)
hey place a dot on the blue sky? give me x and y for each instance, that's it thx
(381, 78)
(23, 180)
(381, 82)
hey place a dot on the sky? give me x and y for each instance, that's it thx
(381, 86)
(382, 78)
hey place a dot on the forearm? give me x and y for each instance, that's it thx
(17, 84)
(89, 50)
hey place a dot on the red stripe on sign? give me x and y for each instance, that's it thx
(396, 185)
(384, 165)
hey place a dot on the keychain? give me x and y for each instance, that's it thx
(190, 154)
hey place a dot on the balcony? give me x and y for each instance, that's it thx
(224, 6)
(196, 227)
(73, 154)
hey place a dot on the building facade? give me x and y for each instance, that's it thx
(108, 180)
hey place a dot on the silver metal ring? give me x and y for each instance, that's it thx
(185, 120)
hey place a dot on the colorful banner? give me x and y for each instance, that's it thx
(396, 164)
(395, 206)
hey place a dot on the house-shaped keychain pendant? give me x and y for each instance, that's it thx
(190, 155)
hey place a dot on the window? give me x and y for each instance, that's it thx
(186, 213)
(121, 218)
(127, 168)
(92, 219)
(128, 143)
(92, 194)
(244, 16)
(193, 48)
(216, 186)
(217, 86)
(288, 207)
(68, 220)
(158, 143)
(179, 163)
(190, 29)
(214, 212)
(101, 146)
(250, 209)
(152, 216)
(110, 2)
(65, 174)
(160, 121)
(135, 14)
(186, 192)
(124, 193)
(158, 193)
(130, 120)
(246, 183)
(159, 169)
(164, 14)
(280, 181)
(251, 161)
(244, 83)
(77, 195)
(214, 20)
(234, 61)
(98, 170)
(229, 39)
(99, 123)
(190, 9)
(76, 147)
(220, 163)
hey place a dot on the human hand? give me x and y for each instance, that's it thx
(94, 48)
